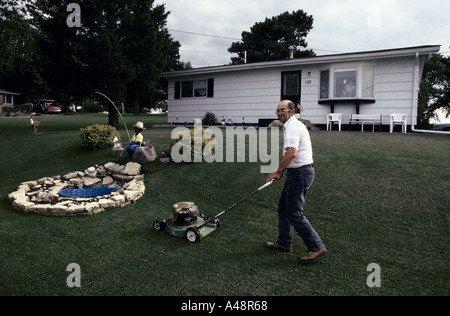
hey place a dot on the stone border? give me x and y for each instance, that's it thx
(41, 196)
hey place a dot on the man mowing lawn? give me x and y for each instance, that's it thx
(298, 161)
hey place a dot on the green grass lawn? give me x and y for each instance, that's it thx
(378, 198)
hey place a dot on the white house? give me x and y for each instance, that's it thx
(374, 82)
(6, 99)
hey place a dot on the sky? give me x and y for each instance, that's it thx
(206, 28)
(340, 26)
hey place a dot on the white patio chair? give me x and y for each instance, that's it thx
(399, 119)
(334, 118)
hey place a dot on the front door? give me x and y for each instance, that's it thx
(291, 86)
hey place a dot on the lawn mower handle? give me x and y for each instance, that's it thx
(266, 185)
(236, 204)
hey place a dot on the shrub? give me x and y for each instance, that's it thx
(209, 119)
(98, 136)
(91, 105)
(190, 136)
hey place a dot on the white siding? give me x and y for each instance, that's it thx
(393, 91)
(394, 83)
(253, 94)
(248, 95)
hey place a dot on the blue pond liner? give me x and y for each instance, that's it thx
(86, 193)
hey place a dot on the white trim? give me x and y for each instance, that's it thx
(301, 62)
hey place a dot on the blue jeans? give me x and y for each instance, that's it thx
(290, 210)
(131, 147)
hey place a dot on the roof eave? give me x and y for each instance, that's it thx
(389, 53)
(8, 92)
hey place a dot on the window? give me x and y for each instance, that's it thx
(291, 83)
(194, 89)
(367, 83)
(324, 84)
(187, 89)
(345, 84)
(200, 88)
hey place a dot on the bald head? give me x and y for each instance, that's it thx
(285, 110)
(287, 104)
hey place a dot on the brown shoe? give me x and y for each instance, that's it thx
(312, 256)
(275, 246)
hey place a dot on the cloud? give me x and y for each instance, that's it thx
(339, 25)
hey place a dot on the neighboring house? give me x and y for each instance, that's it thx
(374, 82)
(6, 99)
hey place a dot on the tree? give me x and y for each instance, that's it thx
(19, 50)
(59, 50)
(148, 49)
(434, 89)
(120, 49)
(271, 39)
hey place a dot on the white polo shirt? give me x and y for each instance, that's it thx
(296, 135)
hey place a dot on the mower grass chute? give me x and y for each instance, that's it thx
(188, 222)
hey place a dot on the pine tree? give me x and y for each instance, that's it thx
(272, 39)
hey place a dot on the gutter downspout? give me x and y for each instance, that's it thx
(415, 104)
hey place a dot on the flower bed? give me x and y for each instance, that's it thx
(42, 196)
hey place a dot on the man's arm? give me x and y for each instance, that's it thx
(288, 157)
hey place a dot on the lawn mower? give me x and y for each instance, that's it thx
(188, 222)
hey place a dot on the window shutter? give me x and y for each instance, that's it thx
(211, 88)
(177, 90)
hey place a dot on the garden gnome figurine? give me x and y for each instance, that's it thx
(137, 139)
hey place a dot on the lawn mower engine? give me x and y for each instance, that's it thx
(184, 213)
(186, 220)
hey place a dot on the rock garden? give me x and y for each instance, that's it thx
(42, 196)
